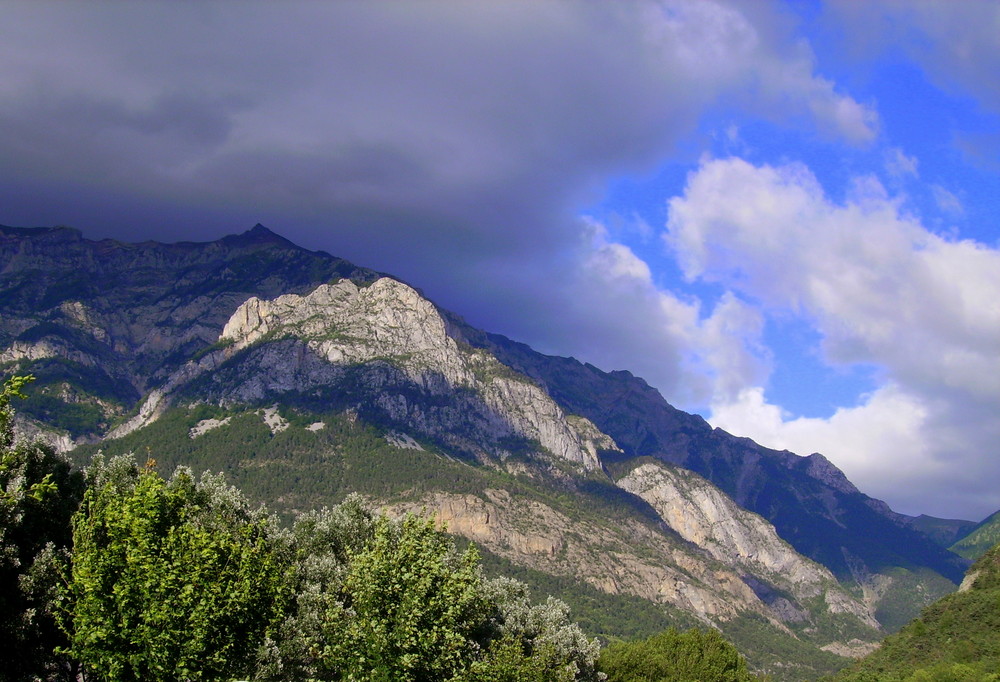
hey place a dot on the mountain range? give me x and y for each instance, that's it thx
(304, 378)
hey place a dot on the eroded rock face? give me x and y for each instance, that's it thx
(389, 325)
(744, 541)
(533, 534)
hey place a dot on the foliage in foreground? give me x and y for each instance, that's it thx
(180, 580)
(38, 495)
(169, 580)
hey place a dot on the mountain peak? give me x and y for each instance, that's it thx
(258, 234)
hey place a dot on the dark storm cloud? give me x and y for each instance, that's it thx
(448, 143)
(476, 128)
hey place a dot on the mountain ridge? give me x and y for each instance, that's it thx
(251, 331)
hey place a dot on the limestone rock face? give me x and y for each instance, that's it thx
(530, 533)
(744, 541)
(401, 339)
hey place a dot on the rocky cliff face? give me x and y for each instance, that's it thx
(703, 515)
(808, 500)
(533, 534)
(391, 345)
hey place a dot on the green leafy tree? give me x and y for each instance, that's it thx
(411, 607)
(509, 660)
(170, 580)
(378, 599)
(322, 543)
(38, 495)
(550, 645)
(672, 656)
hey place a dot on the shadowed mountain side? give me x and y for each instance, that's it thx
(810, 502)
(944, 532)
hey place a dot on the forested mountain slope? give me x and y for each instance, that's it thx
(980, 538)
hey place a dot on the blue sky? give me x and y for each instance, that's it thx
(782, 215)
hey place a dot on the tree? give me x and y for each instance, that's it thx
(170, 580)
(536, 641)
(382, 599)
(410, 607)
(672, 656)
(39, 492)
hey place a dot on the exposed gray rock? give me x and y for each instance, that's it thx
(389, 323)
(707, 517)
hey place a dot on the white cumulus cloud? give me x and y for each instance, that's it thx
(881, 289)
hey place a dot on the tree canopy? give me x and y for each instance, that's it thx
(178, 579)
(672, 656)
(170, 580)
(38, 495)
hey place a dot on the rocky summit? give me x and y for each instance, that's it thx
(305, 378)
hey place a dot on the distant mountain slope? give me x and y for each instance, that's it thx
(980, 538)
(944, 532)
(809, 500)
(956, 638)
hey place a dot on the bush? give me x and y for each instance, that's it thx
(672, 656)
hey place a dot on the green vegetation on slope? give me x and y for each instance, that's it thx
(980, 539)
(909, 591)
(772, 651)
(299, 469)
(954, 639)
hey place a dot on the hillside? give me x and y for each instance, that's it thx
(980, 538)
(955, 638)
(944, 532)
(305, 378)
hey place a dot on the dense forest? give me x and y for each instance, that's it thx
(120, 573)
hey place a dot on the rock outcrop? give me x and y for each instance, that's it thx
(389, 324)
(703, 515)
(533, 534)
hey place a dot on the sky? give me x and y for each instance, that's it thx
(784, 216)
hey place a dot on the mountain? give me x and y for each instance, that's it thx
(953, 639)
(305, 378)
(810, 502)
(944, 532)
(974, 543)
